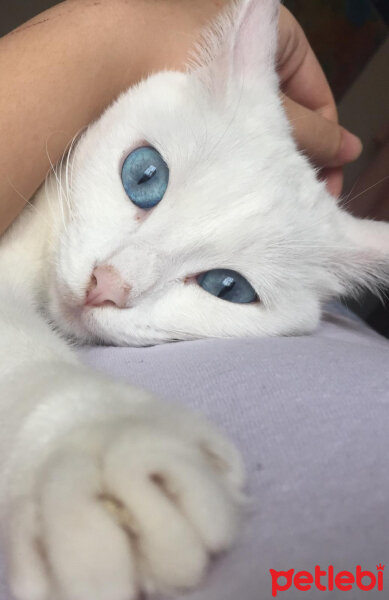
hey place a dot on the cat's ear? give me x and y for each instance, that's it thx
(362, 260)
(241, 46)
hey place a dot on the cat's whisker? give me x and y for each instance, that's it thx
(64, 187)
(60, 171)
(70, 166)
(27, 201)
(61, 194)
(48, 195)
(345, 201)
(59, 189)
(68, 183)
(349, 200)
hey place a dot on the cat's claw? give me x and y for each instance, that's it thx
(122, 509)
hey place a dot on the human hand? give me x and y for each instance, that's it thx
(310, 105)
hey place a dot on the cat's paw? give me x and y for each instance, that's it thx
(137, 505)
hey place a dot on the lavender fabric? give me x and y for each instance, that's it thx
(311, 417)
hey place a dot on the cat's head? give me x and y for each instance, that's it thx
(193, 213)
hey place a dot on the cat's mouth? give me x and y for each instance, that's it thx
(81, 322)
(75, 317)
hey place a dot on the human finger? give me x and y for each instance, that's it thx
(324, 141)
(301, 76)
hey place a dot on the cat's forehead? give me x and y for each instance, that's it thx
(225, 148)
(176, 113)
(235, 179)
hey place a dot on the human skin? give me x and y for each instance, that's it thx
(61, 69)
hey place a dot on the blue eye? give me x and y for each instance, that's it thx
(145, 176)
(228, 285)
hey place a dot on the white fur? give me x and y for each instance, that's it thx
(104, 492)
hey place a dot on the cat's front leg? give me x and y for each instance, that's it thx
(111, 493)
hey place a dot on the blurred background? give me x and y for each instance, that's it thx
(350, 38)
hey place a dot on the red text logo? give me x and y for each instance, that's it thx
(327, 580)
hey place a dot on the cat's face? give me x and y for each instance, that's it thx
(239, 198)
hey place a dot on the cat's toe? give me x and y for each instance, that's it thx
(138, 505)
(217, 449)
(89, 555)
(27, 570)
(176, 506)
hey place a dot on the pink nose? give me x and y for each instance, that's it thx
(107, 287)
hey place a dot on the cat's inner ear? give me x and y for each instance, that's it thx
(240, 46)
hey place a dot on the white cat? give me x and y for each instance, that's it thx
(185, 211)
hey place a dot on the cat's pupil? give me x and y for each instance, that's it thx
(227, 283)
(145, 177)
(148, 174)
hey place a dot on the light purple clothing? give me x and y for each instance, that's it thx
(311, 416)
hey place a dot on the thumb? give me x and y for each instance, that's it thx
(324, 141)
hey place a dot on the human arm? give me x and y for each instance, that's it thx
(61, 69)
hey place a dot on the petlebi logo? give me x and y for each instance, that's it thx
(329, 580)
